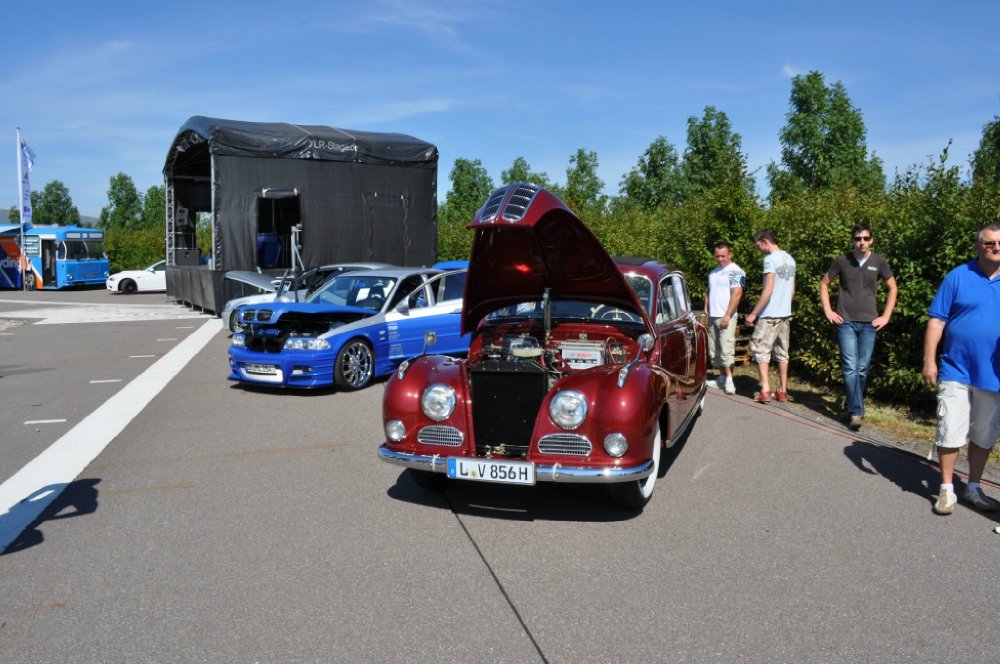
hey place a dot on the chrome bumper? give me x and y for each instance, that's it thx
(544, 472)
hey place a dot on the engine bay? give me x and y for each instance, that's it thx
(559, 355)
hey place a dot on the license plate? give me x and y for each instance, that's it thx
(260, 369)
(492, 470)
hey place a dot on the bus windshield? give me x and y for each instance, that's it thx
(80, 249)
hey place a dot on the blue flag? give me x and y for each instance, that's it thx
(25, 162)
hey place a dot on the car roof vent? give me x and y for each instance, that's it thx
(518, 196)
(521, 196)
(493, 205)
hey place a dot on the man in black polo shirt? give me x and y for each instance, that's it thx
(856, 317)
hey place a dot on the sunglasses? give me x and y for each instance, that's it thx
(992, 244)
(862, 238)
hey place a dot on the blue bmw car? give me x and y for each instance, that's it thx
(356, 327)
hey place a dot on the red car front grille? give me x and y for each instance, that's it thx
(506, 397)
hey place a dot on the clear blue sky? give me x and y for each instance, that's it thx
(102, 87)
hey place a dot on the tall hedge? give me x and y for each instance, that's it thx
(924, 225)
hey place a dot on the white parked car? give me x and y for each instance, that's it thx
(150, 280)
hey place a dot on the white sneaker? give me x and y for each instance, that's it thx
(946, 502)
(730, 387)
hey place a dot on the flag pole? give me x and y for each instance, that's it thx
(20, 203)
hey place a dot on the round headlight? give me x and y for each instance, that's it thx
(615, 444)
(438, 402)
(395, 431)
(568, 409)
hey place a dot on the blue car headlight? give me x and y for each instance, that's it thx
(568, 409)
(306, 343)
(438, 402)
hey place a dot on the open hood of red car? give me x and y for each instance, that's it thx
(527, 240)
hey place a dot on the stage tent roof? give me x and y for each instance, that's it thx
(278, 140)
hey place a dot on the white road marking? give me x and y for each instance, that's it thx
(65, 313)
(26, 495)
(27, 422)
(106, 380)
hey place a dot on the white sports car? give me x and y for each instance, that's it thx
(150, 280)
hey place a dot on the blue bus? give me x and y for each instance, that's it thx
(52, 257)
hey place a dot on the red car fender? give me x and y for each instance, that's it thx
(402, 395)
(631, 410)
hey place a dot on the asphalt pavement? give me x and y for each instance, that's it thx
(226, 524)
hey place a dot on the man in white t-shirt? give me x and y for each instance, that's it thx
(772, 316)
(725, 289)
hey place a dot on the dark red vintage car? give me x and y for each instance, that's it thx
(581, 368)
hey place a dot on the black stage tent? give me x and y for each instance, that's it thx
(252, 187)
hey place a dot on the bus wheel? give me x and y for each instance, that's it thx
(29, 281)
(128, 287)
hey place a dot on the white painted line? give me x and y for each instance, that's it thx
(135, 356)
(168, 339)
(185, 327)
(106, 380)
(26, 495)
(27, 422)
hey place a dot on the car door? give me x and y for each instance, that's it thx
(405, 326)
(435, 305)
(446, 313)
(678, 343)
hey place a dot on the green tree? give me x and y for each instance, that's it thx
(986, 159)
(823, 142)
(124, 208)
(54, 205)
(583, 186)
(520, 171)
(655, 181)
(470, 187)
(13, 215)
(154, 208)
(713, 158)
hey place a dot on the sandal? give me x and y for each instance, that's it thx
(762, 397)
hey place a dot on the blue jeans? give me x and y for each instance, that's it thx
(857, 341)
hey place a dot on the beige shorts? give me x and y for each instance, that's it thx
(722, 342)
(770, 336)
(966, 413)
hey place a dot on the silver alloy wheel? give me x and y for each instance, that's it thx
(234, 322)
(355, 365)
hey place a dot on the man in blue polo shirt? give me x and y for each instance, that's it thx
(966, 313)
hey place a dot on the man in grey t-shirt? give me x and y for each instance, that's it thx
(771, 317)
(857, 317)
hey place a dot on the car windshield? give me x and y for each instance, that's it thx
(643, 287)
(567, 310)
(354, 290)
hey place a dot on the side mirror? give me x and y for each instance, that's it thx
(430, 338)
(646, 342)
(403, 307)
